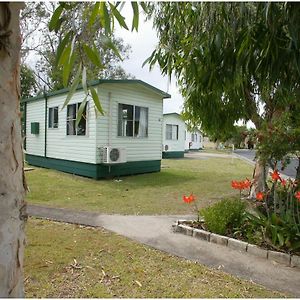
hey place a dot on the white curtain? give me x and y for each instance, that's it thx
(143, 124)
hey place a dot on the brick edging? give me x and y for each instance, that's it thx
(279, 257)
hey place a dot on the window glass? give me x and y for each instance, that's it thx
(141, 121)
(132, 121)
(53, 117)
(171, 132)
(72, 110)
(81, 128)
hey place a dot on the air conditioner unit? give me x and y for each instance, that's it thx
(111, 155)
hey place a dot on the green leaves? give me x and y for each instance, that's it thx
(80, 111)
(105, 18)
(54, 22)
(96, 100)
(73, 86)
(62, 46)
(118, 16)
(93, 55)
(135, 20)
(74, 47)
(107, 42)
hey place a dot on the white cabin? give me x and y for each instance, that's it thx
(194, 140)
(173, 136)
(125, 140)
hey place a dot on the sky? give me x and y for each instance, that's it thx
(143, 43)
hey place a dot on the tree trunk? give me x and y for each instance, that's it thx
(12, 183)
(259, 179)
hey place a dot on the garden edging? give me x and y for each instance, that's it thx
(279, 257)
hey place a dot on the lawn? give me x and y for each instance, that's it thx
(155, 193)
(217, 151)
(63, 260)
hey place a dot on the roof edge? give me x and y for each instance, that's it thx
(98, 82)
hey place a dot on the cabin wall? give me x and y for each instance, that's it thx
(173, 147)
(35, 143)
(59, 145)
(137, 149)
(195, 144)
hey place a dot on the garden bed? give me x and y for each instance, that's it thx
(198, 230)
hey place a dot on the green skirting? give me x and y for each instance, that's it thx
(96, 171)
(173, 154)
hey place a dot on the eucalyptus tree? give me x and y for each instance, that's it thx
(232, 60)
(29, 85)
(39, 44)
(12, 180)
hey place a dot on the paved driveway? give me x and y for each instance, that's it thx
(290, 170)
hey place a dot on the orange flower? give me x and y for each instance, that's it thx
(234, 184)
(260, 196)
(240, 185)
(283, 182)
(188, 199)
(275, 175)
(247, 183)
(297, 195)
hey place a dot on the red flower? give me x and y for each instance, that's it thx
(240, 185)
(297, 195)
(275, 175)
(260, 196)
(283, 182)
(234, 184)
(247, 183)
(188, 199)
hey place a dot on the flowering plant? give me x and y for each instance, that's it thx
(241, 185)
(278, 213)
(192, 199)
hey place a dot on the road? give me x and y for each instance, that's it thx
(290, 170)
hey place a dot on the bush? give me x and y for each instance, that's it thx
(224, 216)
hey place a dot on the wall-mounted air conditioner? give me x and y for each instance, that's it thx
(111, 155)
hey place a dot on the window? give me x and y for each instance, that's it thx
(171, 132)
(185, 135)
(194, 137)
(53, 117)
(72, 110)
(133, 121)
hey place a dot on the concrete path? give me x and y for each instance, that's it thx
(155, 231)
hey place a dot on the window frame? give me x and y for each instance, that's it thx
(51, 123)
(84, 116)
(172, 132)
(133, 120)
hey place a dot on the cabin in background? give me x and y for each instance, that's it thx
(173, 136)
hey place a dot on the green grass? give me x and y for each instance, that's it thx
(63, 260)
(217, 151)
(155, 193)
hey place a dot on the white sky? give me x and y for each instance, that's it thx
(143, 43)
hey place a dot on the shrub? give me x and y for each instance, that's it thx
(224, 216)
